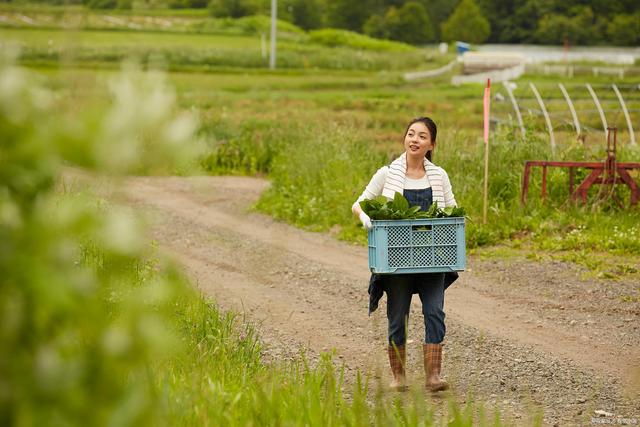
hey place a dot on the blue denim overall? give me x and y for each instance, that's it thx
(429, 286)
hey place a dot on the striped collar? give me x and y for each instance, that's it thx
(394, 182)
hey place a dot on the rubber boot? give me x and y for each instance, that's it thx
(432, 365)
(397, 361)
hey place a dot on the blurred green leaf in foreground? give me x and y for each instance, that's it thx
(76, 333)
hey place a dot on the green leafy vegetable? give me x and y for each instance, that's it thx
(382, 209)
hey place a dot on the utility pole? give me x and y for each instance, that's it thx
(274, 15)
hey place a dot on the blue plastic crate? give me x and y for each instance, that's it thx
(417, 246)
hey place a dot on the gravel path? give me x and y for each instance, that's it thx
(527, 338)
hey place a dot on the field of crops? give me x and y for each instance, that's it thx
(317, 128)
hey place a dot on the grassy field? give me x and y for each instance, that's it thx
(354, 120)
(203, 52)
(318, 129)
(99, 326)
(27, 38)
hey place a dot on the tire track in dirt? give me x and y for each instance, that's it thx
(308, 291)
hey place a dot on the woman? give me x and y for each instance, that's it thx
(422, 183)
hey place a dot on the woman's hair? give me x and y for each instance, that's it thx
(433, 131)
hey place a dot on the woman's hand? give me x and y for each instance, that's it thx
(365, 220)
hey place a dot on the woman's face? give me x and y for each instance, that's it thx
(417, 141)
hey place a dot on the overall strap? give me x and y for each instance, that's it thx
(394, 182)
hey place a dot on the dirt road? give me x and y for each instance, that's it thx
(524, 336)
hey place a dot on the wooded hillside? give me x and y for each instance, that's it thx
(578, 22)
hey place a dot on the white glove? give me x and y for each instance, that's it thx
(366, 221)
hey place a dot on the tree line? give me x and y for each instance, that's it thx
(577, 22)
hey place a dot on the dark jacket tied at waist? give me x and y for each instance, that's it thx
(376, 287)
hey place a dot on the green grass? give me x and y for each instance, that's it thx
(220, 87)
(216, 375)
(120, 336)
(77, 8)
(353, 119)
(203, 51)
(199, 13)
(78, 19)
(98, 328)
(339, 160)
(55, 39)
(333, 37)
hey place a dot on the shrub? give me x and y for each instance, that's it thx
(333, 37)
(409, 24)
(102, 4)
(307, 14)
(466, 24)
(262, 24)
(124, 4)
(233, 8)
(624, 30)
(77, 335)
(319, 195)
(187, 4)
(249, 25)
(348, 14)
(96, 330)
(579, 27)
(375, 27)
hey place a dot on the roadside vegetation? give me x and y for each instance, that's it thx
(342, 127)
(338, 163)
(97, 326)
(200, 51)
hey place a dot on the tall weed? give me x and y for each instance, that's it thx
(314, 185)
(333, 37)
(77, 334)
(291, 56)
(544, 222)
